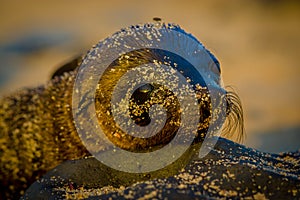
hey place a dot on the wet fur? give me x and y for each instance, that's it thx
(37, 131)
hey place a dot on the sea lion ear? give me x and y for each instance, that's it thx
(68, 67)
(217, 63)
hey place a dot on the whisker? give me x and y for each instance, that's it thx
(234, 123)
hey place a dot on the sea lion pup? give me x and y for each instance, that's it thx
(37, 130)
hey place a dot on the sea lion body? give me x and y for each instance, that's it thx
(37, 130)
(36, 133)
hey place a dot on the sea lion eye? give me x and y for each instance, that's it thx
(142, 93)
(140, 96)
(146, 88)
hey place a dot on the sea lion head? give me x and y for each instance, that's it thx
(146, 95)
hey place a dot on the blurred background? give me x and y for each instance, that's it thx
(256, 42)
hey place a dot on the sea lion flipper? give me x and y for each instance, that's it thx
(70, 66)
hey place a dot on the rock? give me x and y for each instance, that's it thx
(230, 170)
